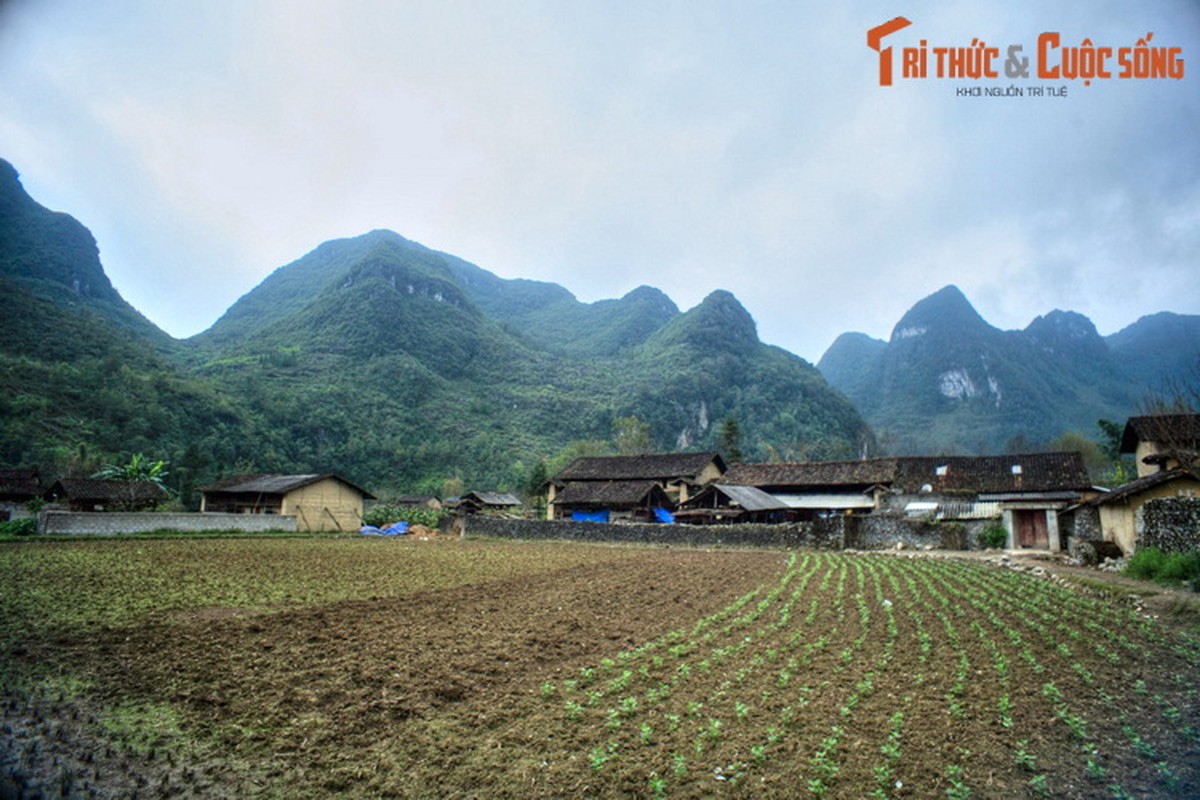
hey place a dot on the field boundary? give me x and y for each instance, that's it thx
(875, 532)
(109, 523)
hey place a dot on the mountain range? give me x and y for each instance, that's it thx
(401, 367)
(947, 381)
(411, 370)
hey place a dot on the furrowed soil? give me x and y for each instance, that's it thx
(497, 669)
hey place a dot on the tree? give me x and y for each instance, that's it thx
(631, 436)
(730, 438)
(137, 474)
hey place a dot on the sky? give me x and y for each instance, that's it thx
(608, 144)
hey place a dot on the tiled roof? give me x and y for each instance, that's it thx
(1023, 472)
(605, 493)
(813, 473)
(273, 484)
(20, 483)
(1181, 430)
(661, 466)
(1127, 490)
(1027, 472)
(100, 490)
(494, 498)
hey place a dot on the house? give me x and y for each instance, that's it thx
(1162, 441)
(1119, 509)
(608, 501)
(678, 475)
(474, 502)
(819, 488)
(426, 501)
(1024, 492)
(723, 503)
(17, 488)
(1027, 492)
(319, 502)
(98, 494)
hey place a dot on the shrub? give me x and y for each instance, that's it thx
(1146, 563)
(1170, 569)
(994, 536)
(26, 526)
(383, 515)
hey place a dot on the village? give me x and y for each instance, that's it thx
(1040, 501)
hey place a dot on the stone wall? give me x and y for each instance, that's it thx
(826, 534)
(872, 532)
(1172, 524)
(118, 522)
(887, 531)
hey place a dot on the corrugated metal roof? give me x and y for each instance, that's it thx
(751, 498)
(826, 501)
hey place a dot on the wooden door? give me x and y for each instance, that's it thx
(1032, 530)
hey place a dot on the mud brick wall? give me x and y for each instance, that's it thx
(1172, 524)
(822, 534)
(110, 523)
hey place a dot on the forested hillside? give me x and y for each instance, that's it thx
(947, 381)
(404, 368)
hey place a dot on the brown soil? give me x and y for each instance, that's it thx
(440, 694)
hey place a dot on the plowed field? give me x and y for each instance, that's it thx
(393, 668)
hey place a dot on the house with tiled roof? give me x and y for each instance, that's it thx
(319, 502)
(17, 488)
(101, 494)
(474, 502)
(1162, 441)
(620, 486)
(1024, 492)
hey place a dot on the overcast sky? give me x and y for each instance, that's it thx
(603, 144)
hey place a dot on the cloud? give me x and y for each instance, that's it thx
(689, 146)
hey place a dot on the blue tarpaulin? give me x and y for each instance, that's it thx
(395, 529)
(589, 516)
(662, 515)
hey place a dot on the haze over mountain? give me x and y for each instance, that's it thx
(947, 381)
(374, 356)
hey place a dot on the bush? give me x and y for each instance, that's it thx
(383, 515)
(1169, 569)
(27, 526)
(994, 536)
(1146, 563)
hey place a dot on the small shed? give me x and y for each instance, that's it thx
(319, 502)
(98, 494)
(721, 503)
(473, 502)
(426, 501)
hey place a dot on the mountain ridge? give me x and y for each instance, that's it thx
(947, 379)
(395, 364)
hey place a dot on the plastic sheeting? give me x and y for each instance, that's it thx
(589, 516)
(662, 515)
(395, 529)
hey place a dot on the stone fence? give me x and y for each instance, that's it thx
(1172, 524)
(118, 522)
(872, 532)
